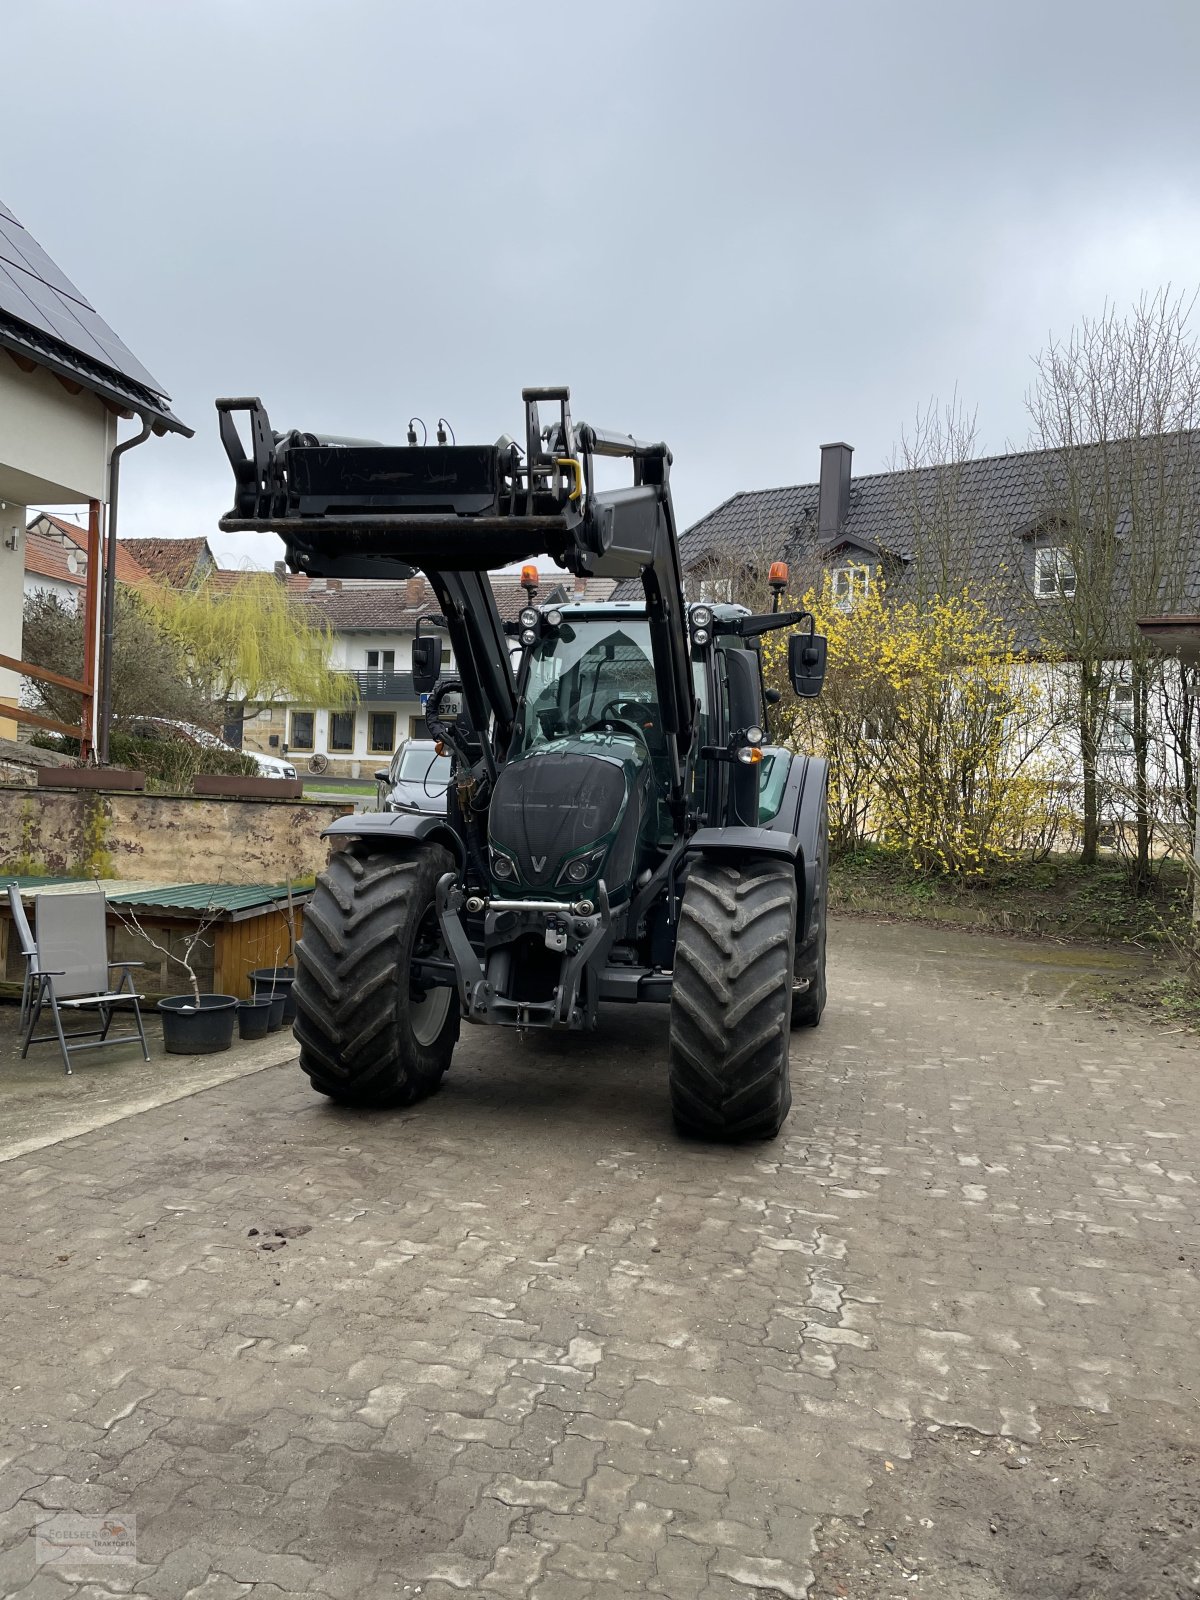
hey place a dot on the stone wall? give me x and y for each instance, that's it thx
(161, 838)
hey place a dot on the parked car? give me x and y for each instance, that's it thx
(416, 780)
(193, 733)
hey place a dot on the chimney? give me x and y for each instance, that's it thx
(281, 571)
(580, 586)
(834, 500)
(414, 593)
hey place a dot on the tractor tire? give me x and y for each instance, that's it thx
(366, 1038)
(808, 989)
(728, 1059)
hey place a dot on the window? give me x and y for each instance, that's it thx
(381, 732)
(418, 728)
(301, 737)
(850, 583)
(1119, 728)
(716, 591)
(445, 652)
(341, 730)
(381, 661)
(1053, 573)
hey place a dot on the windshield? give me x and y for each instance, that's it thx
(586, 673)
(424, 766)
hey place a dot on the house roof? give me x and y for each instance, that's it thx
(49, 558)
(364, 605)
(128, 570)
(176, 562)
(996, 504)
(45, 319)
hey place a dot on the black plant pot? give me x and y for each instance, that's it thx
(191, 1030)
(279, 978)
(276, 1005)
(254, 1018)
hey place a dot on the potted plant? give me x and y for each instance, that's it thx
(194, 1024)
(273, 982)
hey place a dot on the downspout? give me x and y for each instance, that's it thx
(110, 591)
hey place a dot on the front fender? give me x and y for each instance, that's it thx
(398, 827)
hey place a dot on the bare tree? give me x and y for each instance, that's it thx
(936, 505)
(1115, 407)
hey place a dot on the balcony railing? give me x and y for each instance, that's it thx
(380, 685)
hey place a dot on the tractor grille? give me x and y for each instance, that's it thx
(548, 805)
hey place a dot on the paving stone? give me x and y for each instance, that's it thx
(534, 1346)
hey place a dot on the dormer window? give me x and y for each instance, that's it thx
(716, 591)
(850, 584)
(1053, 573)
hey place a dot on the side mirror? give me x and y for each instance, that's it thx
(806, 664)
(383, 775)
(426, 663)
(772, 696)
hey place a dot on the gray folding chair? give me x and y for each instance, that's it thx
(73, 973)
(25, 939)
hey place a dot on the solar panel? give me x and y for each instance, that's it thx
(34, 290)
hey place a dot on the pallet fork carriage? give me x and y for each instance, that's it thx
(618, 827)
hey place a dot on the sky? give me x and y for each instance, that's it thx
(746, 228)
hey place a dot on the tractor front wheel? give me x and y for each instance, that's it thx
(730, 1000)
(368, 1035)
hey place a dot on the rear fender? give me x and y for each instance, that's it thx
(799, 816)
(385, 828)
(793, 833)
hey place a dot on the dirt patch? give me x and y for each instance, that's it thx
(1101, 1508)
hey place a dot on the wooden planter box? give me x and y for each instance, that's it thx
(119, 779)
(248, 788)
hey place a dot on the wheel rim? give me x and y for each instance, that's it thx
(429, 1008)
(428, 1015)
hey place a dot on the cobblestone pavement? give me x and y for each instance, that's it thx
(523, 1341)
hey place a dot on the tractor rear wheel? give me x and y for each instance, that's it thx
(367, 1035)
(808, 989)
(734, 955)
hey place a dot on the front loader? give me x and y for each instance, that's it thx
(618, 828)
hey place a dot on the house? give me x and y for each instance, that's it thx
(1022, 529)
(65, 380)
(990, 522)
(178, 563)
(373, 625)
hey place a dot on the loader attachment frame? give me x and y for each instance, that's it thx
(354, 508)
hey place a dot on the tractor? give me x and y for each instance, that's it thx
(618, 827)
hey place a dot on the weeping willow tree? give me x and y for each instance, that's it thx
(252, 642)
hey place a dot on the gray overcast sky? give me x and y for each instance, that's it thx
(745, 228)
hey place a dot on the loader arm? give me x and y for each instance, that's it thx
(357, 509)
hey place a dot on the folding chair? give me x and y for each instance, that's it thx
(73, 972)
(25, 939)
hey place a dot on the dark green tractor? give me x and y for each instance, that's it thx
(618, 826)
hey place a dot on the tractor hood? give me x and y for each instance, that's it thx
(568, 813)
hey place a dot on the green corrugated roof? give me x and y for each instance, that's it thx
(209, 896)
(235, 900)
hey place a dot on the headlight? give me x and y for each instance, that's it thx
(502, 867)
(528, 636)
(554, 618)
(583, 867)
(699, 635)
(702, 616)
(749, 755)
(755, 736)
(528, 618)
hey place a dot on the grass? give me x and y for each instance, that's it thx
(1054, 898)
(352, 786)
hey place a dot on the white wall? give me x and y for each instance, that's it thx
(53, 445)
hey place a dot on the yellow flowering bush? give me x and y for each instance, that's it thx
(933, 723)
